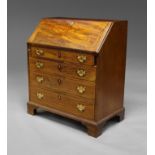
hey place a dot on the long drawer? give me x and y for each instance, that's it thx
(69, 86)
(63, 68)
(80, 107)
(68, 56)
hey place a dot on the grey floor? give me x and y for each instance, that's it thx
(48, 134)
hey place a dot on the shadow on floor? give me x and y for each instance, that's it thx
(72, 123)
(60, 119)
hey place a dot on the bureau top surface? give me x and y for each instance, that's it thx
(80, 34)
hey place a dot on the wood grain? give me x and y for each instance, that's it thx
(63, 84)
(67, 69)
(62, 55)
(71, 33)
(103, 42)
(110, 74)
(66, 104)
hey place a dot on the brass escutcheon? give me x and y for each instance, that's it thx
(59, 81)
(59, 97)
(59, 67)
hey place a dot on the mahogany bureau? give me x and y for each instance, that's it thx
(76, 69)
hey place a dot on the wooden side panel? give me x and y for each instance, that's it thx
(111, 72)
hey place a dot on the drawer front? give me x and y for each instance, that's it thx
(63, 69)
(68, 56)
(71, 105)
(75, 87)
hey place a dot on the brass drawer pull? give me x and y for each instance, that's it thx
(81, 89)
(40, 96)
(80, 107)
(81, 58)
(39, 52)
(39, 79)
(81, 72)
(39, 64)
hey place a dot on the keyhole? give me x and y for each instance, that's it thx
(59, 81)
(59, 67)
